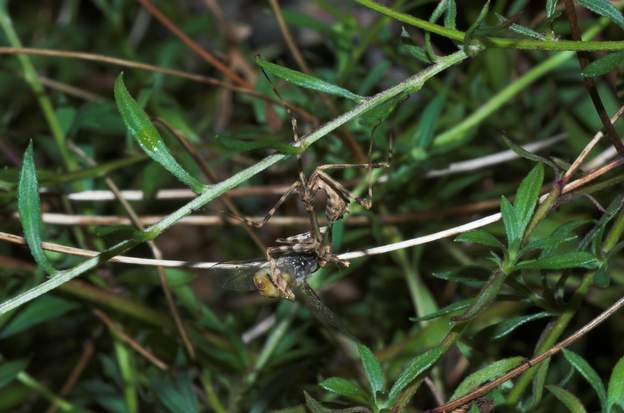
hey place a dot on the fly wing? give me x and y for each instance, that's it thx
(308, 297)
(238, 280)
(236, 275)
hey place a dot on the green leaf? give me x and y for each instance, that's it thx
(517, 28)
(373, 371)
(480, 236)
(574, 259)
(416, 52)
(415, 367)
(473, 276)
(604, 8)
(551, 7)
(538, 384)
(568, 399)
(527, 196)
(306, 81)
(143, 130)
(240, 145)
(583, 367)
(39, 311)
(30, 210)
(10, 369)
(510, 221)
(346, 388)
(509, 325)
(313, 405)
(449, 309)
(523, 153)
(175, 392)
(604, 64)
(429, 120)
(451, 15)
(615, 393)
(490, 372)
(475, 25)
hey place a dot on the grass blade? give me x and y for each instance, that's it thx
(143, 130)
(29, 208)
(307, 81)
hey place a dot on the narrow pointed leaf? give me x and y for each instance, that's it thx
(449, 309)
(523, 153)
(415, 367)
(570, 401)
(510, 221)
(372, 368)
(480, 236)
(527, 195)
(551, 8)
(509, 325)
(29, 208)
(346, 388)
(307, 81)
(451, 15)
(604, 8)
(475, 25)
(10, 369)
(143, 130)
(575, 259)
(39, 311)
(583, 367)
(175, 392)
(604, 64)
(313, 405)
(615, 392)
(429, 120)
(490, 372)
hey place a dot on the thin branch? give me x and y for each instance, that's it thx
(345, 256)
(93, 57)
(494, 42)
(409, 85)
(118, 331)
(589, 82)
(483, 390)
(86, 355)
(194, 46)
(588, 148)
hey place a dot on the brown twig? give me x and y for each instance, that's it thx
(93, 57)
(483, 390)
(118, 331)
(74, 375)
(194, 46)
(590, 84)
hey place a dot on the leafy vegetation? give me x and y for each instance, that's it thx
(486, 275)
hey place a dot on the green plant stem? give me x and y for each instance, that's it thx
(410, 85)
(32, 78)
(65, 406)
(614, 235)
(125, 361)
(213, 399)
(495, 42)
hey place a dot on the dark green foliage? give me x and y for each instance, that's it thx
(452, 84)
